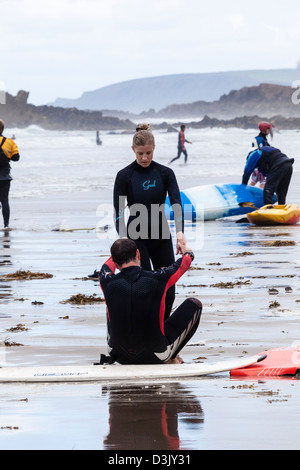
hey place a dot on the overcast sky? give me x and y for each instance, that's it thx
(61, 48)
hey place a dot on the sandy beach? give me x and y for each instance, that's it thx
(249, 288)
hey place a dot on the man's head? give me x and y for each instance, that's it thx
(124, 252)
(2, 125)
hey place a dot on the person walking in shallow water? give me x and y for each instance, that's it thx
(181, 145)
(98, 140)
(8, 152)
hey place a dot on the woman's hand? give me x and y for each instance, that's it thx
(181, 243)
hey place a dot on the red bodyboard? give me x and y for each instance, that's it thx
(278, 362)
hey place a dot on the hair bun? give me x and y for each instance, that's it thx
(143, 127)
(143, 136)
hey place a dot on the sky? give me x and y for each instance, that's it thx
(62, 48)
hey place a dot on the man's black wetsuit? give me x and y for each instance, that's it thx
(137, 330)
(145, 190)
(181, 147)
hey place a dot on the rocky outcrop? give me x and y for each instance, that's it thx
(242, 108)
(16, 112)
(245, 122)
(264, 100)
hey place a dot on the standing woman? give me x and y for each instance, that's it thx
(8, 152)
(144, 185)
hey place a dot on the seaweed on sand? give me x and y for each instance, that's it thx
(230, 285)
(81, 299)
(26, 275)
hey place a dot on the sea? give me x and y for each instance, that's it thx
(71, 162)
(59, 184)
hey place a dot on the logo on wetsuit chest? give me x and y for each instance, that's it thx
(147, 184)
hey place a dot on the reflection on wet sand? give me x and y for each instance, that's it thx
(5, 260)
(148, 417)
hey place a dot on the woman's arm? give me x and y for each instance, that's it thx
(119, 198)
(175, 200)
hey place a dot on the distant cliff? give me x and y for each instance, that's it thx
(142, 94)
(16, 112)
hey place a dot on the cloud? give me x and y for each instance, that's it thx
(236, 21)
(58, 10)
(64, 47)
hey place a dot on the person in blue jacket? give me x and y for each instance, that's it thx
(261, 140)
(276, 166)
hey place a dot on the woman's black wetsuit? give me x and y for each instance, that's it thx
(145, 190)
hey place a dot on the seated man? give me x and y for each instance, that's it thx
(135, 299)
(278, 168)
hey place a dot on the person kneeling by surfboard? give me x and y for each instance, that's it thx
(135, 300)
(278, 168)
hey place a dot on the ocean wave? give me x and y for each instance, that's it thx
(69, 161)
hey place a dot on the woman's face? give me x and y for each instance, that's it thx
(144, 154)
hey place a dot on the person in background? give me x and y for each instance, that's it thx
(98, 140)
(276, 166)
(138, 332)
(181, 145)
(259, 141)
(144, 185)
(9, 152)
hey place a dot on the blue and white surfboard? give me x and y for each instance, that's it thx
(214, 201)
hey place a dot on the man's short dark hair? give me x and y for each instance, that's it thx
(123, 251)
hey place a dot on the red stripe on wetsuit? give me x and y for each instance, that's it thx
(182, 138)
(111, 265)
(186, 262)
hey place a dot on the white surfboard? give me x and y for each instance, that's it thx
(117, 372)
(211, 202)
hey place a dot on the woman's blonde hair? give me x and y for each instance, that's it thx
(143, 136)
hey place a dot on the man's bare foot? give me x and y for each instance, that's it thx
(175, 360)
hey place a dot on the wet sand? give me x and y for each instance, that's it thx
(234, 269)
